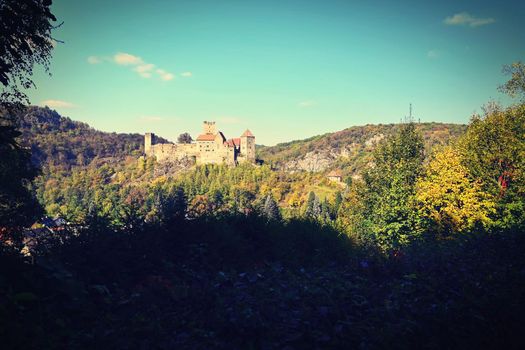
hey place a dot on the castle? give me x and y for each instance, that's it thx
(210, 147)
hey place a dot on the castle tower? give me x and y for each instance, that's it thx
(149, 140)
(209, 128)
(248, 146)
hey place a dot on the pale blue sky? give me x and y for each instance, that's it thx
(285, 69)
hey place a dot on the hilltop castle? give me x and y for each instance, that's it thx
(210, 147)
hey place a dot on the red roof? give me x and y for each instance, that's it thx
(206, 137)
(335, 173)
(247, 133)
(234, 142)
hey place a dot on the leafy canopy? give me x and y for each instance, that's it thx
(26, 41)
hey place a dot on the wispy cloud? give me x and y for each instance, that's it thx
(94, 60)
(137, 64)
(466, 19)
(57, 104)
(306, 104)
(127, 59)
(144, 70)
(165, 75)
(186, 74)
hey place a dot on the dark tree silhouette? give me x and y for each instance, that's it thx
(184, 138)
(271, 210)
(25, 41)
(309, 213)
(18, 207)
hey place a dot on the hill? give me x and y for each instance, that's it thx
(348, 149)
(60, 142)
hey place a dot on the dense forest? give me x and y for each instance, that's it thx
(83, 168)
(57, 141)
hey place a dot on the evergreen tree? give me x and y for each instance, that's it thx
(316, 208)
(337, 204)
(309, 211)
(325, 211)
(271, 210)
(180, 204)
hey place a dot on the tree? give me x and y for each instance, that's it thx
(309, 212)
(337, 204)
(26, 40)
(184, 138)
(449, 201)
(180, 204)
(271, 210)
(389, 188)
(493, 150)
(18, 206)
(169, 206)
(515, 86)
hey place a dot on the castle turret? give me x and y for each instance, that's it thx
(248, 146)
(209, 128)
(149, 140)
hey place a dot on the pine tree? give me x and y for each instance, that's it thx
(337, 204)
(316, 208)
(271, 210)
(180, 204)
(309, 212)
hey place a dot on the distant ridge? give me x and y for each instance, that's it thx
(349, 148)
(61, 142)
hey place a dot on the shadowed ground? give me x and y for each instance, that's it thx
(239, 282)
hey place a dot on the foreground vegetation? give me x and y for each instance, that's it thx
(242, 282)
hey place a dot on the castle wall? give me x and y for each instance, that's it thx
(210, 148)
(167, 151)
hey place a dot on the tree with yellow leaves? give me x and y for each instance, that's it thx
(448, 199)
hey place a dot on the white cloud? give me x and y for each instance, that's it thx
(144, 70)
(466, 19)
(94, 60)
(306, 104)
(127, 59)
(166, 76)
(57, 104)
(186, 74)
(138, 65)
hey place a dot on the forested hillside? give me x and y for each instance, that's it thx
(349, 149)
(83, 168)
(60, 142)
